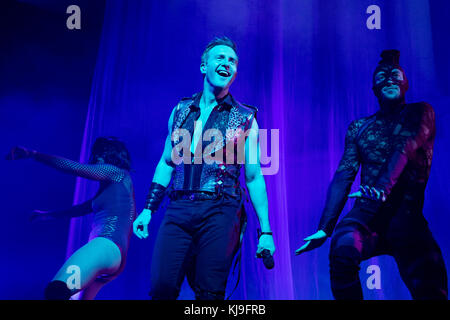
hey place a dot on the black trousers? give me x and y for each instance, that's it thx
(406, 238)
(198, 238)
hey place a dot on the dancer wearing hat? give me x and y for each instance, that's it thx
(394, 148)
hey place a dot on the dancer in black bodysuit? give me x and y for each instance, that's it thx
(394, 148)
(102, 259)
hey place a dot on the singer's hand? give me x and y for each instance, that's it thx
(140, 225)
(312, 242)
(265, 242)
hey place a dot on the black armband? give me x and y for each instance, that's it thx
(155, 196)
(262, 233)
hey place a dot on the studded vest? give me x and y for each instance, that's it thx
(215, 166)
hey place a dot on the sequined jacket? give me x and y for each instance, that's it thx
(215, 165)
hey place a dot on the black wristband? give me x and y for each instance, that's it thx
(155, 196)
(262, 233)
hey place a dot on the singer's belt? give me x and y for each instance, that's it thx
(193, 195)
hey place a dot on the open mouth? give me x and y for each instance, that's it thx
(223, 73)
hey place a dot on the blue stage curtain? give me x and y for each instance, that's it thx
(307, 65)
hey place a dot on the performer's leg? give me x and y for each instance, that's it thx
(216, 245)
(421, 266)
(171, 247)
(350, 245)
(98, 256)
(91, 291)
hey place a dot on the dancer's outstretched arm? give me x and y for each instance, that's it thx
(338, 191)
(98, 172)
(74, 211)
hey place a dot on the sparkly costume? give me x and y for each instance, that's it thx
(394, 148)
(403, 177)
(231, 119)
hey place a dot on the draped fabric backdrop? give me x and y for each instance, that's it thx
(307, 65)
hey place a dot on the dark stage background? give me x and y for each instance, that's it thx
(307, 64)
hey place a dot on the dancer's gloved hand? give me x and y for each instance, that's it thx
(265, 242)
(140, 225)
(312, 242)
(38, 215)
(369, 193)
(19, 152)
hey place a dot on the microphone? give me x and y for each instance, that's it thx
(267, 259)
(265, 255)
